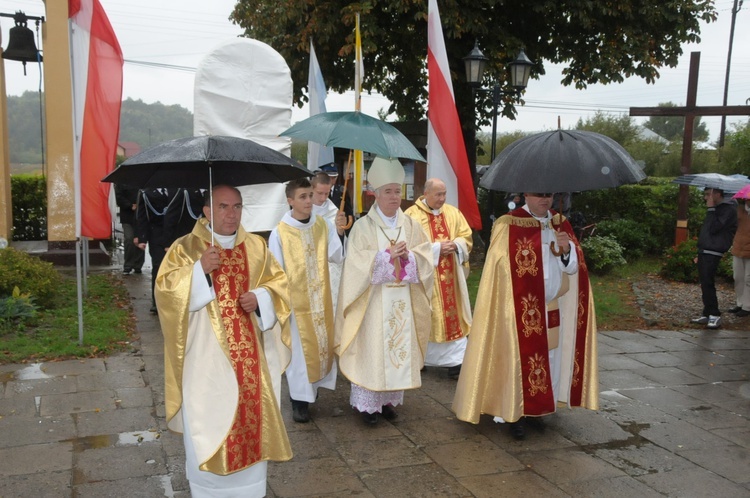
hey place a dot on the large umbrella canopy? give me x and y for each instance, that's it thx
(561, 161)
(199, 162)
(354, 130)
(728, 183)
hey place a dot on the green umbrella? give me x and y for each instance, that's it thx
(354, 130)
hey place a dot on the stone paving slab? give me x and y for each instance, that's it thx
(41, 485)
(673, 421)
(36, 459)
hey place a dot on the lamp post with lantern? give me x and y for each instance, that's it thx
(520, 70)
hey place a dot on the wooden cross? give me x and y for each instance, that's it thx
(689, 111)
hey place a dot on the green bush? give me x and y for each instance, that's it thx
(634, 238)
(29, 198)
(679, 262)
(17, 307)
(603, 254)
(30, 274)
(653, 204)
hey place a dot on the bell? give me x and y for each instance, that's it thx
(21, 45)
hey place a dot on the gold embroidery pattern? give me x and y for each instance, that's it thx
(315, 290)
(537, 375)
(526, 258)
(531, 315)
(581, 310)
(395, 336)
(243, 440)
(576, 369)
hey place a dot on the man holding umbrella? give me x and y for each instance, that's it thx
(214, 300)
(714, 239)
(533, 336)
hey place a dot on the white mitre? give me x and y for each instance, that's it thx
(384, 171)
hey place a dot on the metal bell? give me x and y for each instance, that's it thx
(21, 45)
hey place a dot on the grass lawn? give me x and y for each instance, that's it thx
(53, 334)
(616, 308)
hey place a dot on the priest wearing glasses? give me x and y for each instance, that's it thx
(532, 347)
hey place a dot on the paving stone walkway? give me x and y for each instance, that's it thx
(673, 422)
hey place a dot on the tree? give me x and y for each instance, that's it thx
(672, 127)
(622, 129)
(736, 153)
(602, 41)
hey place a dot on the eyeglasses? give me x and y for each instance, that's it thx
(546, 194)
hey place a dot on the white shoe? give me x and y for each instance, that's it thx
(713, 322)
(701, 320)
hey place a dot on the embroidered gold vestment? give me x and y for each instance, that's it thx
(306, 265)
(506, 367)
(451, 310)
(235, 420)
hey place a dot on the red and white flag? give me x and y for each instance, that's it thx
(446, 151)
(97, 96)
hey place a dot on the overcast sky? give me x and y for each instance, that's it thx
(180, 32)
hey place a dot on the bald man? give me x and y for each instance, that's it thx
(450, 235)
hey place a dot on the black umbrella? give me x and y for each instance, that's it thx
(199, 162)
(561, 161)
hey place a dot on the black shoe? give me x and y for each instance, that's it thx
(454, 372)
(535, 422)
(735, 309)
(742, 313)
(389, 413)
(300, 412)
(518, 429)
(153, 310)
(126, 271)
(370, 418)
(138, 271)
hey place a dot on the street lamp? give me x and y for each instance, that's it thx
(520, 70)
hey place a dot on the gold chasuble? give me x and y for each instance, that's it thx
(506, 370)
(451, 310)
(306, 265)
(382, 330)
(215, 367)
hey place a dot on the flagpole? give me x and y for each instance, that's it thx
(358, 157)
(77, 192)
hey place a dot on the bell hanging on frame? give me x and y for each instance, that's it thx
(21, 45)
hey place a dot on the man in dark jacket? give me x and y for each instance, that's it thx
(127, 201)
(150, 229)
(714, 240)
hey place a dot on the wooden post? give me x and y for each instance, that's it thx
(58, 112)
(689, 112)
(6, 206)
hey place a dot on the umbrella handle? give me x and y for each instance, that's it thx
(343, 194)
(552, 247)
(347, 172)
(348, 223)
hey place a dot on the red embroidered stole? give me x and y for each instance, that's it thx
(527, 275)
(231, 280)
(446, 279)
